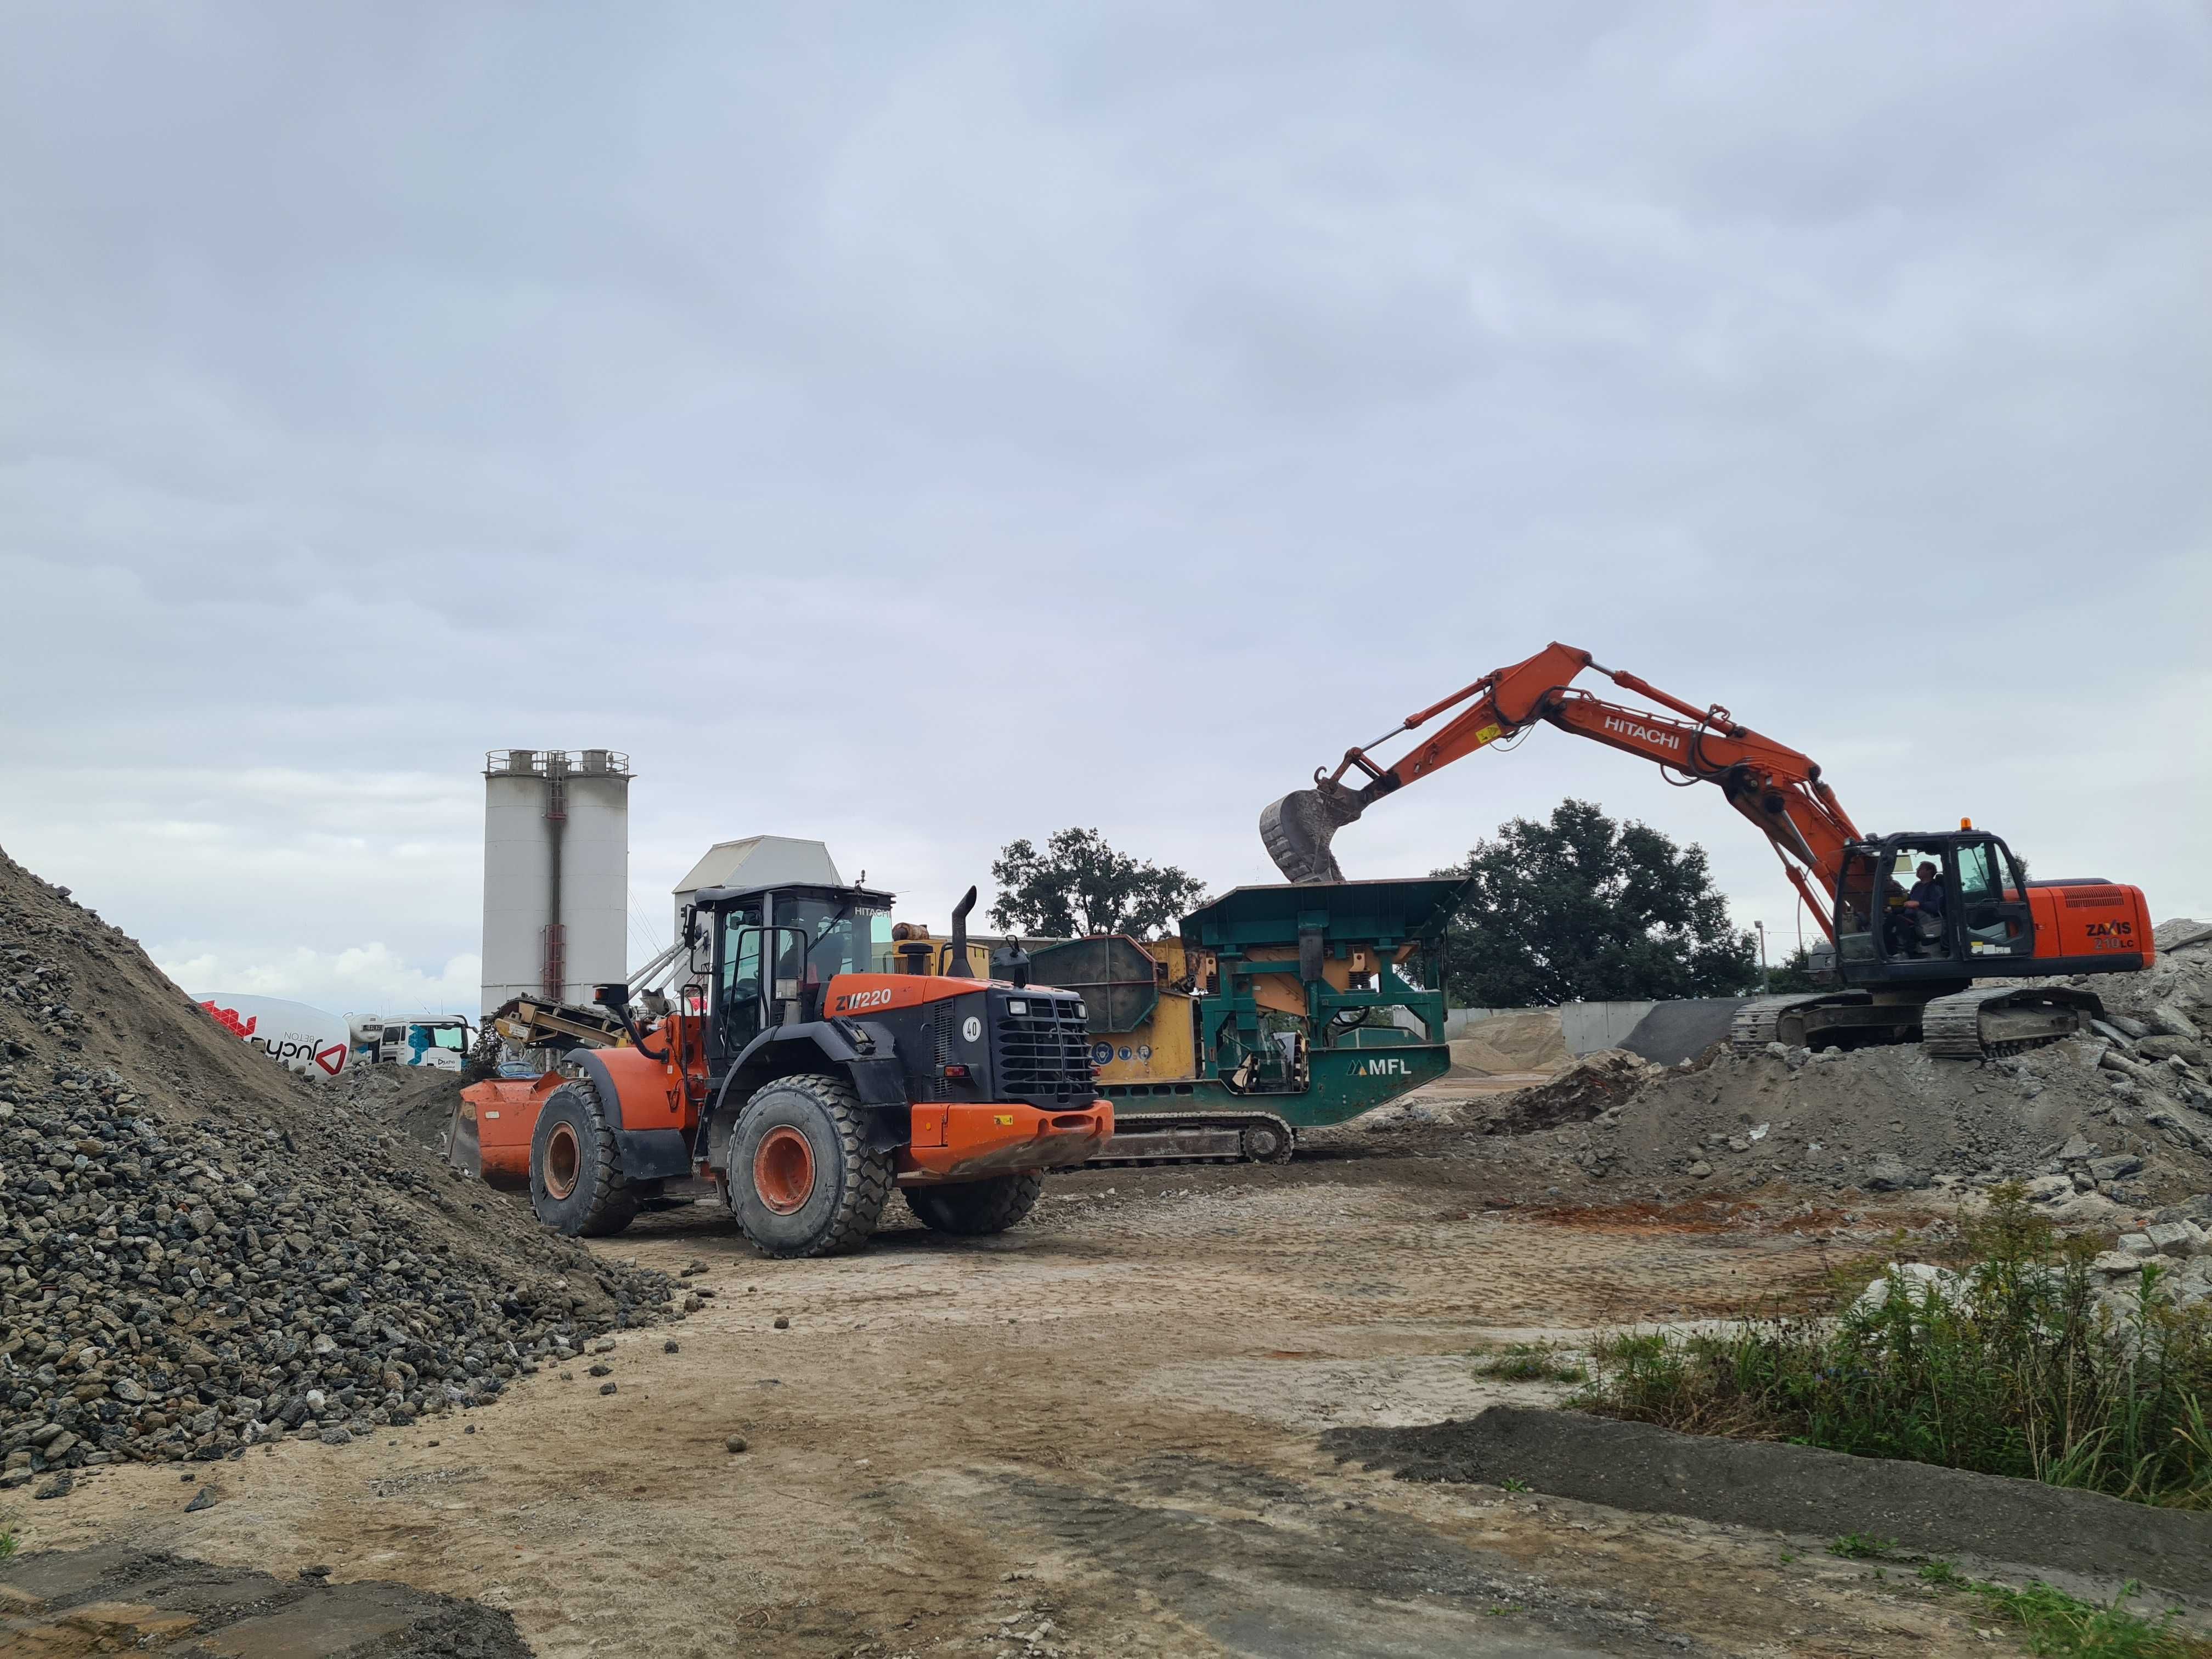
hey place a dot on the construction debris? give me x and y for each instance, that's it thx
(2096, 1128)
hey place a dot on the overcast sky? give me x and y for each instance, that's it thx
(923, 426)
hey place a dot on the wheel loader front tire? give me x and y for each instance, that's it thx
(576, 1181)
(801, 1179)
(974, 1207)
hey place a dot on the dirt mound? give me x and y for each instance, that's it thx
(1586, 1090)
(1504, 1043)
(2121, 1120)
(198, 1250)
(416, 1102)
(1798, 1490)
(1889, 1118)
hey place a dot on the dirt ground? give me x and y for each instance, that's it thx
(1096, 1435)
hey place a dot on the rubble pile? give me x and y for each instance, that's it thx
(2179, 1244)
(1587, 1089)
(2119, 1120)
(199, 1252)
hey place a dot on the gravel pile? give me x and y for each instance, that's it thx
(2122, 1119)
(416, 1103)
(199, 1252)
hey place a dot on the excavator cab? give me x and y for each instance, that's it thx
(1949, 905)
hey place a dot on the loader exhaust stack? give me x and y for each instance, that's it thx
(955, 954)
(1298, 829)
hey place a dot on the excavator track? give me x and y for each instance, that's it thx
(1758, 1022)
(1227, 1138)
(1989, 1022)
(1842, 1019)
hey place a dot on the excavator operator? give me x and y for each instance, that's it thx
(1924, 911)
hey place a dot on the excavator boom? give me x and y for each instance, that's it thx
(1777, 788)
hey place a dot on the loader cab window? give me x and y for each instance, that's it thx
(829, 937)
(740, 954)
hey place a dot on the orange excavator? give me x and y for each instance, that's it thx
(1916, 919)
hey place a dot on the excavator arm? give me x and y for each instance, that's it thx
(1778, 789)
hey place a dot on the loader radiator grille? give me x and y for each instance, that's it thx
(943, 1023)
(1042, 1055)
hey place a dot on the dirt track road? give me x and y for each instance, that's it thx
(1094, 1436)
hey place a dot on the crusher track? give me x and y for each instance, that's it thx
(1197, 1137)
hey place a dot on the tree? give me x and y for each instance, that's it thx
(1794, 972)
(1079, 884)
(1583, 909)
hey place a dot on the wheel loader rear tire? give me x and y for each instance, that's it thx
(802, 1181)
(989, 1206)
(576, 1181)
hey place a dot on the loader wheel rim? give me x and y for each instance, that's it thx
(783, 1170)
(564, 1160)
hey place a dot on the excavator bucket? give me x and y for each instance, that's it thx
(1298, 829)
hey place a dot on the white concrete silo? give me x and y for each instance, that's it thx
(557, 872)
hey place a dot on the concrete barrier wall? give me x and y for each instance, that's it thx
(1667, 1032)
(1590, 1026)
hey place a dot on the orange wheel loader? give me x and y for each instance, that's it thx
(803, 1085)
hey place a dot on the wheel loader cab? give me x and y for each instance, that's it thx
(1948, 906)
(776, 951)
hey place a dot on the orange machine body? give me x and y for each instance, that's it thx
(2086, 922)
(949, 1140)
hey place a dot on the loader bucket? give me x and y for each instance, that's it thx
(463, 1147)
(1298, 829)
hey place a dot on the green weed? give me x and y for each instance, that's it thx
(2063, 1627)
(1861, 1547)
(1531, 1362)
(2020, 1374)
(1511, 1484)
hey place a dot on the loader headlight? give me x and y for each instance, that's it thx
(1015, 1005)
(1079, 1012)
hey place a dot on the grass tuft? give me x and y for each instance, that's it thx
(2019, 1372)
(1531, 1362)
(1861, 1547)
(2064, 1627)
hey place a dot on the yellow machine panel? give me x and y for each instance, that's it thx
(1285, 993)
(1163, 1047)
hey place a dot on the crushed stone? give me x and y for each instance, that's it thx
(199, 1251)
(2094, 1127)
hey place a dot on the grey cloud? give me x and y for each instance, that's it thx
(822, 405)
